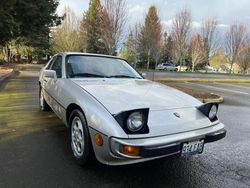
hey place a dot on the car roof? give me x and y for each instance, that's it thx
(89, 54)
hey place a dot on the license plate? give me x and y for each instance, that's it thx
(192, 148)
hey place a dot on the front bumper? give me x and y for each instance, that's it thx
(176, 148)
(156, 147)
(215, 136)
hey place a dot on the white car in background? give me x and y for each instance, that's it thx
(210, 68)
(119, 117)
(167, 66)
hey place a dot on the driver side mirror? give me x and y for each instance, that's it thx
(50, 74)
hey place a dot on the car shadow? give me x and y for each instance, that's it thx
(165, 172)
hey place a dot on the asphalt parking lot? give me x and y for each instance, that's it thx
(34, 150)
(168, 74)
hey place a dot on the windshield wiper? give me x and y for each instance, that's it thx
(87, 75)
(123, 76)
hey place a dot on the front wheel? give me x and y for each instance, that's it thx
(42, 103)
(79, 138)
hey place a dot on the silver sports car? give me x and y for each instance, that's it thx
(114, 114)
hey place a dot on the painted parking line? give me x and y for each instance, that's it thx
(237, 86)
(218, 88)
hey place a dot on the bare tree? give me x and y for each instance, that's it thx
(66, 37)
(244, 57)
(136, 46)
(180, 33)
(234, 40)
(197, 51)
(113, 22)
(209, 37)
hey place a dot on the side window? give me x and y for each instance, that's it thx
(57, 66)
(50, 63)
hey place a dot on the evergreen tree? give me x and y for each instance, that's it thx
(150, 38)
(27, 19)
(166, 53)
(91, 27)
(128, 50)
(27, 22)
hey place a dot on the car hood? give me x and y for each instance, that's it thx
(119, 95)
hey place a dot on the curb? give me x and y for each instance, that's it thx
(202, 80)
(6, 76)
(217, 100)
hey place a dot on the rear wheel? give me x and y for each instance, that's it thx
(79, 138)
(43, 104)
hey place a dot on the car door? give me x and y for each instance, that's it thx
(167, 67)
(171, 67)
(44, 80)
(164, 66)
(54, 86)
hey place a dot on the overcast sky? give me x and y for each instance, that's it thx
(226, 11)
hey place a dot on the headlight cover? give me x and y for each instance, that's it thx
(210, 110)
(133, 121)
(213, 112)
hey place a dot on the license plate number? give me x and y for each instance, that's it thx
(192, 148)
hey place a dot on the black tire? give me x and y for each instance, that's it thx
(87, 155)
(42, 102)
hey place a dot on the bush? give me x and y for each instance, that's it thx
(1, 59)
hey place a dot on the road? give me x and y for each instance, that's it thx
(164, 74)
(34, 151)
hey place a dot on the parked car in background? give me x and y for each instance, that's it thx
(223, 69)
(210, 68)
(167, 66)
(119, 117)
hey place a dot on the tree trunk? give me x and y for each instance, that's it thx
(148, 59)
(231, 67)
(29, 58)
(148, 63)
(6, 53)
(157, 57)
(17, 58)
(180, 64)
(136, 61)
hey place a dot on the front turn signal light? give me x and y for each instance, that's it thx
(130, 150)
(98, 140)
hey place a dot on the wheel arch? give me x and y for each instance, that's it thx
(70, 109)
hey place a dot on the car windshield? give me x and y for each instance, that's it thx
(98, 67)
